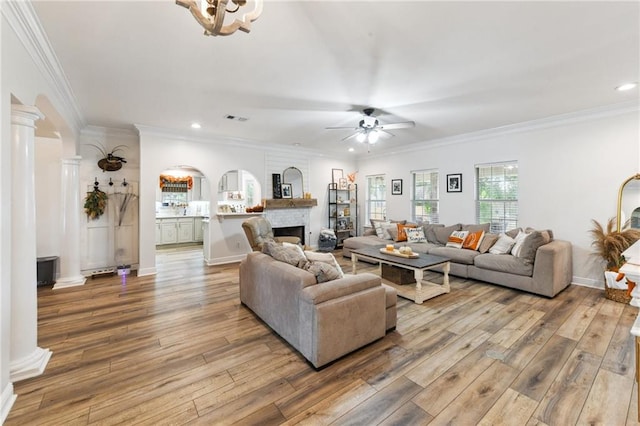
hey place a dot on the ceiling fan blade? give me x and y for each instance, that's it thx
(342, 128)
(405, 125)
(353, 135)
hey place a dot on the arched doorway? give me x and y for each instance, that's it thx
(182, 203)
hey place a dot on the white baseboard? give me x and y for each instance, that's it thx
(225, 260)
(147, 271)
(7, 398)
(588, 282)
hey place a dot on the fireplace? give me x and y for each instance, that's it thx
(289, 221)
(290, 231)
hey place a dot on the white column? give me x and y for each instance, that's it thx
(70, 236)
(26, 358)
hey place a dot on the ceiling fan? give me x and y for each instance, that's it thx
(369, 128)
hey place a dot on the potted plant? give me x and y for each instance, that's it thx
(609, 243)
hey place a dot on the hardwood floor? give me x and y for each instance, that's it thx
(178, 348)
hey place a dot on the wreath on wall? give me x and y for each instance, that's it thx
(95, 203)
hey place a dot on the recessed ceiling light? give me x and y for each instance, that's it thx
(196, 126)
(351, 149)
(626, 86)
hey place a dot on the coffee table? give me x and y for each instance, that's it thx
(422, 289)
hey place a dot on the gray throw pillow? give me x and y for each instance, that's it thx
(531, 244)
(475, 228)
(322, 271)
(291, 255)
(429, 232)
(487, 242)
(442, 234)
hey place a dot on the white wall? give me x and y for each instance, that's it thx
(48, 157)
(160, 151)
(569, 173)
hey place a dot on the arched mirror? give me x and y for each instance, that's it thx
(238, 190)
(293, 176)
(629, 202)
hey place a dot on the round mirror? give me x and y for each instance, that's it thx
(293, 176)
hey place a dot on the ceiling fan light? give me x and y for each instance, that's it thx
(361, 137)
(373, 137)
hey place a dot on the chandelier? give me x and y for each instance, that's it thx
(211, 15)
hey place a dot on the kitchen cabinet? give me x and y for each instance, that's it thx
(169, 230)
(197, 229)
(185, 230)
(158, 231)
(174, 230)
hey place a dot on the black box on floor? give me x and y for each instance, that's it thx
(46, 270)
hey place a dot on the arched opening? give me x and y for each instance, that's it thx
(182, 204)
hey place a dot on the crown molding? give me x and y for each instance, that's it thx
(25, 23)
(526, 126)
(99, 131)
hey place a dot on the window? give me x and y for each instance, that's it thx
(376, 204)
(497, 195)
(424, 206)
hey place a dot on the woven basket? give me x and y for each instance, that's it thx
(620, 295)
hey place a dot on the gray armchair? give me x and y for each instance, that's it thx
(258, 230)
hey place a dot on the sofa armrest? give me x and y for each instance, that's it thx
(329, 290)
(553, 267)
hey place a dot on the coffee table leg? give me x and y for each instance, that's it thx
(418, 275)
(354, 261)
(445, 282)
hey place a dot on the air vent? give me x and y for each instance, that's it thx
(235, 118)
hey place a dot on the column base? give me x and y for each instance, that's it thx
(30, 366)
(69, 282)
(7, 398)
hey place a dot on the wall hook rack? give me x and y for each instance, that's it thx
(110, 182)
(124, 182)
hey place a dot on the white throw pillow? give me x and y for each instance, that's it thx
(415, 235)
(456, 239)
(503, 245)
(517, 246)
(328, 258)
(380, 228)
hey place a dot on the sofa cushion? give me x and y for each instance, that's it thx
(456, 239)
(504, 263)
(430, 233)
(487, 242)
(462, 256)
(475, 228)
(442, 234)
(503, 245)
(327, 258)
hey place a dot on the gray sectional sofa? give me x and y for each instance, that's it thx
(546, 271)
(322, 321)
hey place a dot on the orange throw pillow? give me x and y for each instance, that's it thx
(402, 236)
(473, 240)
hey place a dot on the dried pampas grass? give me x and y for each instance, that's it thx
(609, 243)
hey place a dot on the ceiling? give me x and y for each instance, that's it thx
(452, 67)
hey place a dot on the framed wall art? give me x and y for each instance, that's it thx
(454, 182)
(286, 190)
(396, 186)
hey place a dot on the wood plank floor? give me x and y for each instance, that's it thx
(178, 348)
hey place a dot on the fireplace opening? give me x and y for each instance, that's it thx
(290, 231)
